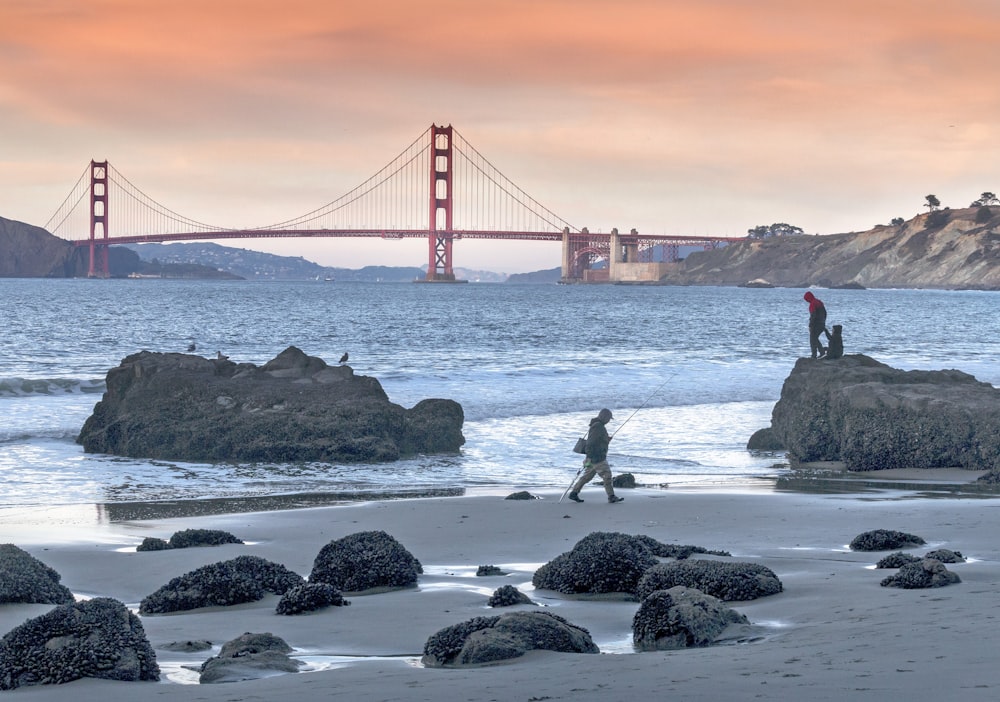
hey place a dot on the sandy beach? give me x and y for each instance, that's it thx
(834, 633)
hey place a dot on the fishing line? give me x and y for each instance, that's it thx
(653, 394)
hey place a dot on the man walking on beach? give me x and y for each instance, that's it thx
(817, 324)
(596, 461)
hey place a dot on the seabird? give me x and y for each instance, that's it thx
(220, 357)
(191, 347)
(343, 359)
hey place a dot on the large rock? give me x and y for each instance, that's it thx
(99, 638)
(872, 417)
(238, 580)
(24, 578)
(730, 582)
(365, 560)
(681, 617)
(249, 657)
(600, 563)
(294, 408)
(485, 640)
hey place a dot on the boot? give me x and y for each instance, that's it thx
(614, 498)
(575, 496)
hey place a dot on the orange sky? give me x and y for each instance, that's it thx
(670, 116)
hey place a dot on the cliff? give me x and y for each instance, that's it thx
(27, 251)
(954, 249)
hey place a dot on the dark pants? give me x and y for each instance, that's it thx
(815, 346)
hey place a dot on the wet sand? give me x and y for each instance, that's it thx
(833, 634)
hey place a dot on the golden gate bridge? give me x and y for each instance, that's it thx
(439, 188)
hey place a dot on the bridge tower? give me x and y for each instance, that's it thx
(439, 235)
(98, 267)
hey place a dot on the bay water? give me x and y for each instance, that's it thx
(694, 371)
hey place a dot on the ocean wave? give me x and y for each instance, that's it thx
(24, 387)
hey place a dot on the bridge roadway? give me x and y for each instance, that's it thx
(579, 249)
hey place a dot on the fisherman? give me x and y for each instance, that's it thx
(817, 324)
(596, 460)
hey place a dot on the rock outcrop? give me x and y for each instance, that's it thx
(484, 640)
(239, 580)
(249, 657)
(600, 563)
(885, 540)
(363, 561)
(731, 582)
(925, 573)
(871, 416)
(294, 408)
(952, 249)
(24, 578)
(309, 597)
(681, 617)
(99, 638)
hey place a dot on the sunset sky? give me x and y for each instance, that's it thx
(703, 117)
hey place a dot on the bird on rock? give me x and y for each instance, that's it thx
(343, 359)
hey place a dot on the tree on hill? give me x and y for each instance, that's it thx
(985, 200)
(932, 203)
(896, 221)
(777, 229)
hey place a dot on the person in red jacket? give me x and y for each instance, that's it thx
(817, 324)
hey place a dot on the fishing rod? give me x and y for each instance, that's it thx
(653, 394)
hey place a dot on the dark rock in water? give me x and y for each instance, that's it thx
(945, 555)
(507, 596)
(485, 640)
(364, 561)
(239, 580)
(189, 538)
(24, 578)
(187, 646)
(872, 417)
(681, 617)
(249, 657)
(310, 597)
(896, 560)
(726, 581)
(98, 638)
(884, 540)
(623, 480)
(293, 408)
(764, 440)
(601, 562)
(152, 543)
(924, 573)
(202, 537)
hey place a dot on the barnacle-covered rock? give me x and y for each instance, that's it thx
(680, 552)
(364, 561)
(98, 638)
(921, 574)
(310, 597)
(522, 495)
(487, 570)
(27, 579)
(896, 560)
(202, 537)
(680, 617)
(239, 580)
(728, 581)
(489, 639)
(153, 543)
(884, 540)
(623, 480)
(946, 555)
(601, 562)
(507, 596)
(249, 657)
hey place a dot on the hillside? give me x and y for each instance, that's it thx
(952, 249)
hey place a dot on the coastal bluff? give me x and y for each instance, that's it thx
(871, 416)
(294, 408)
